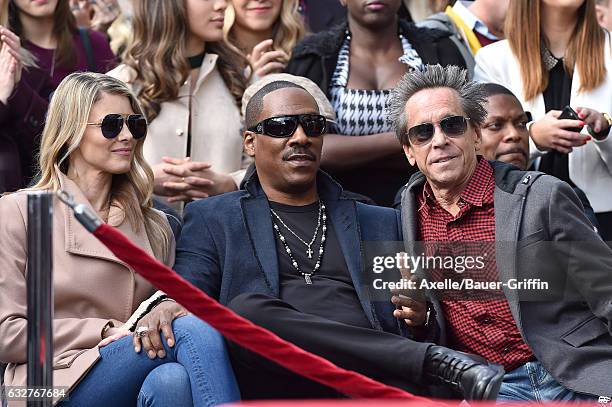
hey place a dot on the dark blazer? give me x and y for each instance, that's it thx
(541, 231)
(315, 57)
(227, 245)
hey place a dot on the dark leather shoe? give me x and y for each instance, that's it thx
(469, 375)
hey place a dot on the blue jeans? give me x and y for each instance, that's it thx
(531, 382)
(195, 372)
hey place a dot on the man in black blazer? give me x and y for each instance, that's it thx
(286, 253)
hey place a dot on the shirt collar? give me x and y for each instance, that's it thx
(548, 59)
(472, 21)
(474, 193)
(476, 189)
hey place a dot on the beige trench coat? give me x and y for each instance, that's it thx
(216, 124)
(91, 288)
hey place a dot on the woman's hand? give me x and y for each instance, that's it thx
(97, 15)
(105, 12)
(550, 133)
(264, 60)
(186, 180)
(176, 178)
(158, 320)
(594, 119)
(10, 63)
(113, 334)
(82, 12)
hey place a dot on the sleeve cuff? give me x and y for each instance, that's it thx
(534, 151)
(144, 308)
(602, 139)
(238, 176)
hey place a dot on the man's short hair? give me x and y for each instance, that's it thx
(494, 89)
(470, 93)
(255, 104)
(325, 108)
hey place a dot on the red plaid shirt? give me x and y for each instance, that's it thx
(484, 327)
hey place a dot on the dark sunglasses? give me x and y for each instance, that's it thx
(314, 125)
(452, 126)
(112, 124)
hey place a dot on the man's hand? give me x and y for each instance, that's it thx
(411, 306)
(413, 312)
(158, 320)
(550, 133)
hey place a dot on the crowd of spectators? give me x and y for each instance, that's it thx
(161, 112)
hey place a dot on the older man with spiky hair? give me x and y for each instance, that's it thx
(554, 340)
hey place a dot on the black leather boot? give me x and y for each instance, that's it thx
(469, 375)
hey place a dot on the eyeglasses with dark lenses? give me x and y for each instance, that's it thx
(452, 126)
(314, 125)
(112, 124)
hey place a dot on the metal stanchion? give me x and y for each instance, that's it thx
(40, 294)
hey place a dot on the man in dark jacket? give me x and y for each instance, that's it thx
(373, 163)
(286, 253)
(548, 317)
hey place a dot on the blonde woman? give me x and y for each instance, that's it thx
(92, 148)
(190, 85)
(264, 30)
(557, 55)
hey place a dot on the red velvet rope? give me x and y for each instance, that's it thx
(244, 332)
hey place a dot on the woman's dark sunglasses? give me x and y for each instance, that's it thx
(314, 125)
(452, 126)
(112, 124)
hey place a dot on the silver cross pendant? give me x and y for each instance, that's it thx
(309, 252)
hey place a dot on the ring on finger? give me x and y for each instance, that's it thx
(141, 331)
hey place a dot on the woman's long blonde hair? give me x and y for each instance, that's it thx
(65, 126)
(158, 55)
(586, 49)
(286, 32)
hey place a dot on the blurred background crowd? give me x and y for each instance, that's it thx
(190, 61)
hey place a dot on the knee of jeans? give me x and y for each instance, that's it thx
(193, 326)
(248, 305)
(169, 376)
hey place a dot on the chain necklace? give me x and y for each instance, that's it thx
(308, 245)
(307, 276)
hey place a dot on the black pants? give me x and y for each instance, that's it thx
(389, 358)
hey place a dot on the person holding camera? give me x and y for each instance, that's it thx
(556, 55)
